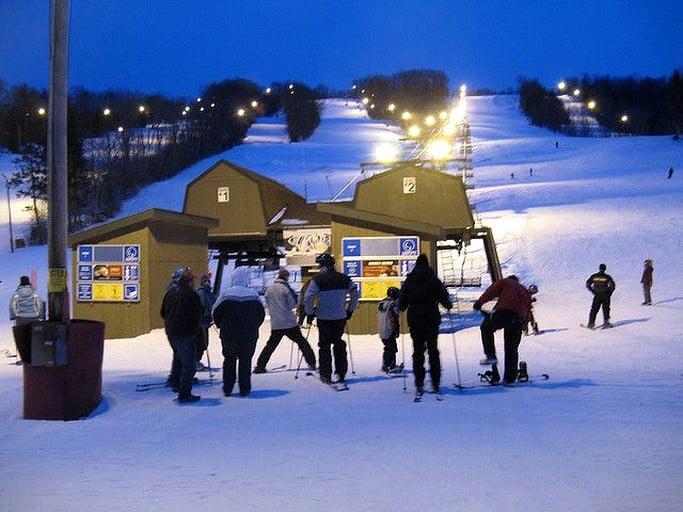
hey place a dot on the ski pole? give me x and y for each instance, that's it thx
(348, 340)
(296, 375)
(457, 363)
(298, 367)
(291, 352)
(403, 363)
(208, 359)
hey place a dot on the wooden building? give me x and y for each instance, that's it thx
(232, 213)
(164, 240)
(408, 199)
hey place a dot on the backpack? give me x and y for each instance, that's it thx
(385, 319)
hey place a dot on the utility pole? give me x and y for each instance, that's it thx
(58, 297)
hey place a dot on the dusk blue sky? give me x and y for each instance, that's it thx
(177, 47)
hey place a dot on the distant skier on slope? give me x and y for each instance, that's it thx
(646, 281)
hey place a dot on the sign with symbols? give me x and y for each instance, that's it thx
(377, 263)
(108, 273)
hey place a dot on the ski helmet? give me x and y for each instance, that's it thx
(325, 259)
(392, 292)
(177, 273)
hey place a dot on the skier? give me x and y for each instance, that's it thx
(533, 290)
(238, 314)
(281, 300)
(207, 298)
(602, 286)
(388, 328)
(421, 294)
(181, 310)
(646, 281)
(25, 305)
(330, 289)
(510, 313)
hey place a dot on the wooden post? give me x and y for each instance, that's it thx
(57, 161)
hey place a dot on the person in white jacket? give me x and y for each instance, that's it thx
(25, 305)
(281, 301)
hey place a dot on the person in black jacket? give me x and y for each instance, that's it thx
(181, 310)
(238, 314)
(602, 286)
(421, 294)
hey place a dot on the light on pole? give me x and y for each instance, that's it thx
(9, 215)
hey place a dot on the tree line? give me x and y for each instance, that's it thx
(421, 91)
(121, 141)
(634, 106)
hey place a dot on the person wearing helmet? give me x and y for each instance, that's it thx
(181, 310)
(326, 299)
(175, 277)
(533, 290)
(646, 281)
(388, 328)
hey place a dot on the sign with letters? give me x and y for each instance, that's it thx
(108, 273)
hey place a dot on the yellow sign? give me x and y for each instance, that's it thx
(376, 290)
(107, 291)
(56, 280)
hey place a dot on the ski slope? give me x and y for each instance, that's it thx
(603, 434)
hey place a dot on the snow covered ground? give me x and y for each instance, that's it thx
(603, 434)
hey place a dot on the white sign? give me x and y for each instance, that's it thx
(409, 185)
(223, 194)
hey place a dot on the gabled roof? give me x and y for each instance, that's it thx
(137, 221)
(275, 198)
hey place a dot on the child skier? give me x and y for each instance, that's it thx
(388, 328)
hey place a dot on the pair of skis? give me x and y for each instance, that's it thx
(595, 328)
(419, 395)
(159, 385)
(336, 385)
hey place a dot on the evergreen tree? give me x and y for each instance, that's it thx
(30, 180)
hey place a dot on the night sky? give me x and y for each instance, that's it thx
(176, 47)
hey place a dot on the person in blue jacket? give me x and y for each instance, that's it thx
(238, 314)
(330, 289)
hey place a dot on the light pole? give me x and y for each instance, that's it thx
(9, 215)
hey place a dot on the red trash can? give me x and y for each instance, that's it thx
(73, 390)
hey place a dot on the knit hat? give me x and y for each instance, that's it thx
(205, 278)
(187, 276)
(24, 281)
(283, 274)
